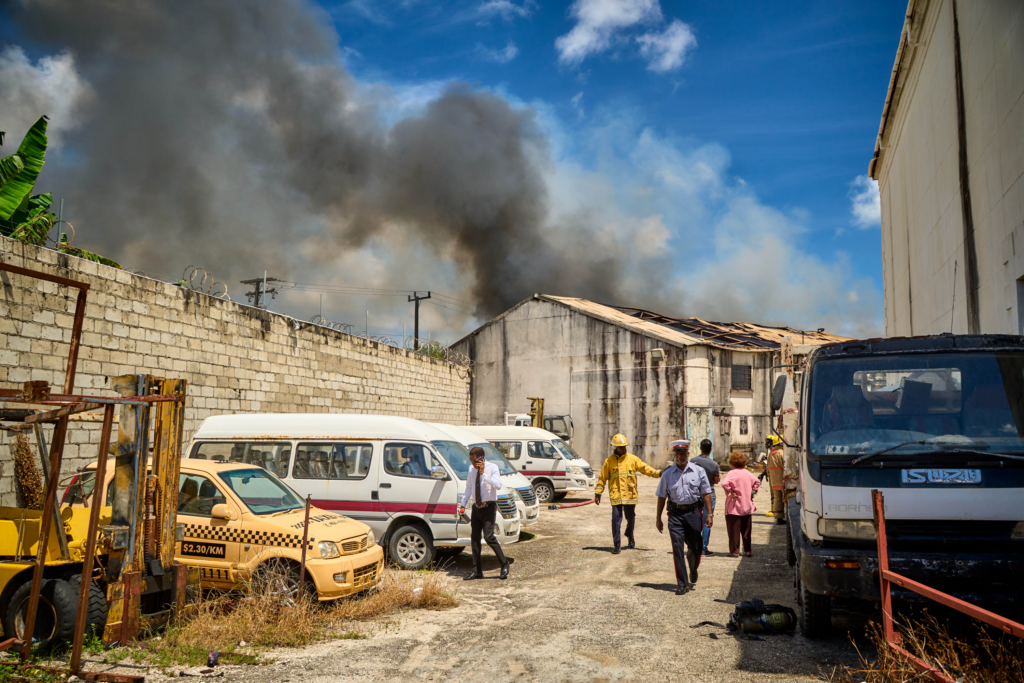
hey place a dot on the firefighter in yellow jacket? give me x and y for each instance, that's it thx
(619, 471)
(776, 464)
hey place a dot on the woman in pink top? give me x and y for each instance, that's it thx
(740, 487)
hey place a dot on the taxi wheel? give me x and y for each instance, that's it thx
(411, 548)
(545, 492)
(279, 580)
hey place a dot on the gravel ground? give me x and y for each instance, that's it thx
(571, 611)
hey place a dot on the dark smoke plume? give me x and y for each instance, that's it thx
(224, 133)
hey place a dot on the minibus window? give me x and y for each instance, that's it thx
(336, 461)
(270, 455)
(541, 449)
(493, 456)
(510, 449)
(410, 460)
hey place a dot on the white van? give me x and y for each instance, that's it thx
(551, 465)
(400, 476)
(517, 484)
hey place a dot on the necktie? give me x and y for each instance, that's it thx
(479, 498)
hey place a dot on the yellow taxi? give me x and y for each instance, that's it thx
(241, 522)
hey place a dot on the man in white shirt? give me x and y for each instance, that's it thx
(482, 484)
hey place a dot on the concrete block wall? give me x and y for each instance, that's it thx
(234, 357)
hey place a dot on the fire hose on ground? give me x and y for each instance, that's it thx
(570, 505)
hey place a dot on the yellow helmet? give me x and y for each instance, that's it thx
(619, 440)
(774, 440)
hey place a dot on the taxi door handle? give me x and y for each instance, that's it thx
(385, 486)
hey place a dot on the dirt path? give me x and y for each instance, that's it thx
(572, 611)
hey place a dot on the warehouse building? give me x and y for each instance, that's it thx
(949, 161)
(615, 369)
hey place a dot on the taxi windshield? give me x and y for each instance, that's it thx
(261, 492)
(493, 455)
(566, 450)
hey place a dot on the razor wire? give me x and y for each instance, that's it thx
(425, 347)
(206, 284)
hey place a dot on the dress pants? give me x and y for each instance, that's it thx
(685, 528)
(482, 524)
(618, 512)
(738, 527)
(706, 531)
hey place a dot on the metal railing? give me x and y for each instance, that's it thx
(888, 577)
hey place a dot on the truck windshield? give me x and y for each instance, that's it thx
(557, 426)
(947, 401)
(262, 492)
(566, 450)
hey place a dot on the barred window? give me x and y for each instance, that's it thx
(741, 378)
(743, 426)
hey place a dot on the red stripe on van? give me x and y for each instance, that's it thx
(536, 472)
(374, 506)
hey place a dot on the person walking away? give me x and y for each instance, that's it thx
(619, 472)
(686, 488)
(483, 483)
(714, 473)
(740, 486)
(776, 463)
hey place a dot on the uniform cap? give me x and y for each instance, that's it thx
(680, 444)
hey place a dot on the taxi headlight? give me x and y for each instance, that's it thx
(858, 530)
(574, 469)
(328, 549)
(370, 539)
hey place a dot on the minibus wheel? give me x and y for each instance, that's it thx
(544, 490)
(411, 547)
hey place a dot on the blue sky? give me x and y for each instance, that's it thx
(701, 159)
(791, 92)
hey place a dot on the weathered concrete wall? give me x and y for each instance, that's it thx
(234, 357)
(923, 234)
(602, 375)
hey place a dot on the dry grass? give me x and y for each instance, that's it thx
(27, 474)
(261, 621)
(985, 656)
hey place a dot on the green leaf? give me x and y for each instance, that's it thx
(32, 153)
(9, 168)
(82, 253)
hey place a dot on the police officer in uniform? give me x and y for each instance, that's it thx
(686, 488)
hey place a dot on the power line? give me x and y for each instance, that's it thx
(456, 310)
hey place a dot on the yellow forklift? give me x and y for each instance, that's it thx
(110, 570)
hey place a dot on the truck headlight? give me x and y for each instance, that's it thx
(1018, 532)
(371, 540)
(574, 469)
(854, 529)
(328, 549)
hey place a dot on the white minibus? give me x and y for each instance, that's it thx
(396, 474)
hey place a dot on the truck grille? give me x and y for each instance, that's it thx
(588, 471)
(365, 576)
(947, 531)
(354, 546)
(507, 506)
(528, 495)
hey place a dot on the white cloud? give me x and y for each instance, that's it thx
(867, 203)
(598, 22)
(503, 56)
(665, 51)
(577, 103)
(506, 9)
(51, 86)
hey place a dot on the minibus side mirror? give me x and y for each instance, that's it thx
(221, 511)
(438, 472)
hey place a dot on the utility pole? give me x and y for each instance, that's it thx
(416, 298)
(260, 290)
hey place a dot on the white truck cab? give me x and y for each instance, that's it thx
(552, 466)
(517, 484)
(398, 475)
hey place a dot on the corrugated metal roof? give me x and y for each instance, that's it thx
(693, 331)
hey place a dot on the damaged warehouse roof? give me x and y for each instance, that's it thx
(686, 331)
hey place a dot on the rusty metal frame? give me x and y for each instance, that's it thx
(888, 577)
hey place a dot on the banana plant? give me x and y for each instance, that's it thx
(19, 171)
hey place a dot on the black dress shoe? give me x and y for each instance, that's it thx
(616, 550)
(476, 575)
(707, 551)
(684, 590)
(693, 576)
(504, 571)
(631, 545)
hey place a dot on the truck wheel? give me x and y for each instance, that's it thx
(545, 491)
(411, 548)
(815, 614)
(96, 609)
(55, 615)
(790, 550)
